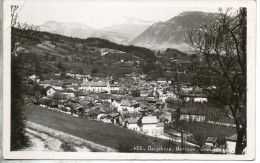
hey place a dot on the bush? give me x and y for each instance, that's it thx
(66, 147)
(123, 148)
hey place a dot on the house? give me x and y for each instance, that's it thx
(162, 80)
(163, 97)
(76, 107)
(153, 95)
(200, 99)
(147, 109)
(57, 86)
(198, 117)
(116, 102)
(81, 94)
(192, 117)
(132, 124)
(117, 118)
(94, 113)
(105, 118)
(129, 106)
(160, 127)
(92, 86)
(186, 90)
(185, 117)
(45, 83)
(114, 88)
(149, 124)
(69, 93)
(144, 92)
(211, 142)
(104, 97)
(34, 78)
(170, 95)
(50, 91)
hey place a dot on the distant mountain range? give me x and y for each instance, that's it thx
(122, 32)
(138, 32)
(171, 33)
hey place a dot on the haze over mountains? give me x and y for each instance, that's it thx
(138, 32)
(122, 32)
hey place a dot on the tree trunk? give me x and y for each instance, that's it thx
(240, 144)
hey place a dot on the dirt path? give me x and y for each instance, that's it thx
(47, 139)
(41, 140)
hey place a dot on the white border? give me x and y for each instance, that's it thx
(251, 5)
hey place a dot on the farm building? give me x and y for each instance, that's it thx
(50, 91)
(132, 123)
(100, 86)
(149, 124)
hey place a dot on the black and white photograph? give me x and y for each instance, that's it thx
(129, 80)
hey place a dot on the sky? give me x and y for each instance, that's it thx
(100, 14)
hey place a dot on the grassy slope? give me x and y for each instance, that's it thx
(98, 132)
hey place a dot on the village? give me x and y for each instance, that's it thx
(149, 107)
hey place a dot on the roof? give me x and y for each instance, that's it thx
(132, 120)
(149, 119)
(114, 114)
(211, 139)
(94, 84)
(153, 93)
(68, 91)
(151, 108)
(161, 79)
(95, 111)
(81, 93)
(104, 96)
(49, 87)
(128, 102)
(161, 124)
(76, 106)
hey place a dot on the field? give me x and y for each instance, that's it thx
(202, 131)
(105, 134)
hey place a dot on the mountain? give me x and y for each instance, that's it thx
(171, 33)
(129, 27)
(67, 29)
(122, 32)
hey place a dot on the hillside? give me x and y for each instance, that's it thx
(171, 33)
(45, 52)
(67, 29)
(105, 134)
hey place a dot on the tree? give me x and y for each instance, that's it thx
(19, 36)
(221, 47)
(95, 70)
(61, 66)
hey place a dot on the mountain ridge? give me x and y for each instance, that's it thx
(122, 32)
(171, 33)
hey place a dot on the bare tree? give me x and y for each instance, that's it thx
(221, 67)
(19, 36)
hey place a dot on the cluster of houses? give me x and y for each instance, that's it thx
(110, 100)
(103, 100)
